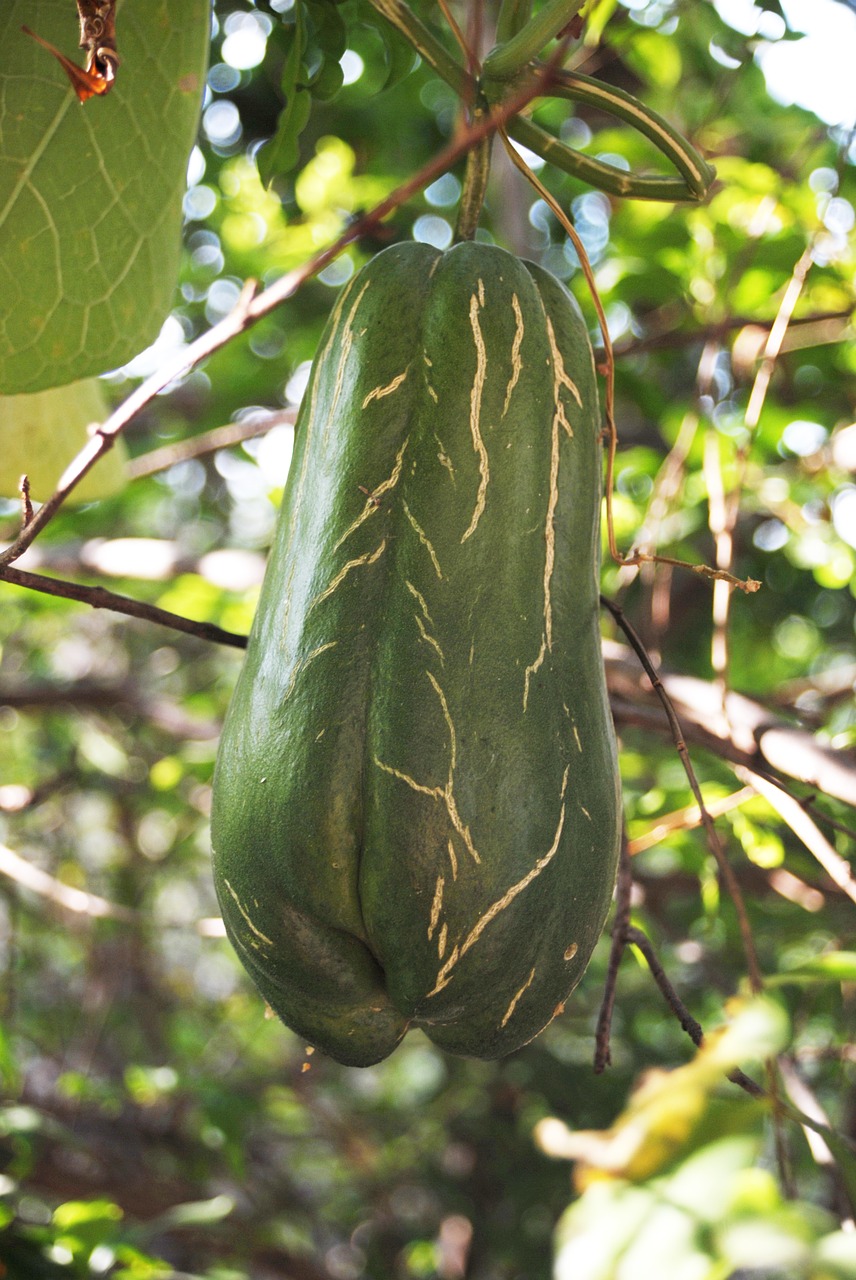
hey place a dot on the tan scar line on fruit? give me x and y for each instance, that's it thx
(257, 932)
(370, 557)
(516, 362)
(300, 667)
(310, 421)
(514, 1000)
(423, 538)
(475, 413)
(444, 977)
(436, 906)
(373, 496)
(444, 459)
(347, 343)
(429, 639)
(417, 594)
(445, 793)
(560, 380)
(380, 393)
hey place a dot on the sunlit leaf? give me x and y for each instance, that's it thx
(42, 432)
(832, 966)
(90, 195)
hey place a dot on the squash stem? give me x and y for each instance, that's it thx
(475, 183)
(508, 59)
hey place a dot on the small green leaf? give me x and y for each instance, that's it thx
(327, 29)
(41, 433)
(329, 82)
(281, 154)
(833, 966)
(400, 57)
(75, 1213)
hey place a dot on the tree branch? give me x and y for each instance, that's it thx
(258, 424)
(746, 733)
(713, 841)
(82, 903)
(670, 338)
(100, 598)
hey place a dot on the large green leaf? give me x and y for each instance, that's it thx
(42, 432)
(90, 195)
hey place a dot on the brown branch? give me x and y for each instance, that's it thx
(26, 500)
(232, 433)
(16, 868)
(671, 338)
(631, 936)
(100, 598)
(252, 307)
(623, 893)
(714, 843)
(100, 696)
(636, 938)
(750, 735)
(82, 903)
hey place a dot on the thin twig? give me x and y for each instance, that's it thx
(805, 829)
(26, 501)
(636, 938)
(100, 598)
(687, 818)
(232, 433)
(671, 338)
(623, 893)
(725, 869)
(80, 901)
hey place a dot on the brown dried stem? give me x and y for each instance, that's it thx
(714, 843)
(621, 924)
(100, 598)
(719, 329)
(725, 510)
(231, 433)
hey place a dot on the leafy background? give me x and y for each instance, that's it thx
(154, 1123)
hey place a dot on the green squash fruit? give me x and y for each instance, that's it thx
(416, 803)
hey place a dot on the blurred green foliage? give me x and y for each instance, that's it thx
(154, 1123)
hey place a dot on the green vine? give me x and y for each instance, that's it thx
(475, 183)
(507, 60)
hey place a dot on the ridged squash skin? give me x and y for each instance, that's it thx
(415, 817)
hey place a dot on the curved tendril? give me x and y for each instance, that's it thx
(696, 172)
(606, 177)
